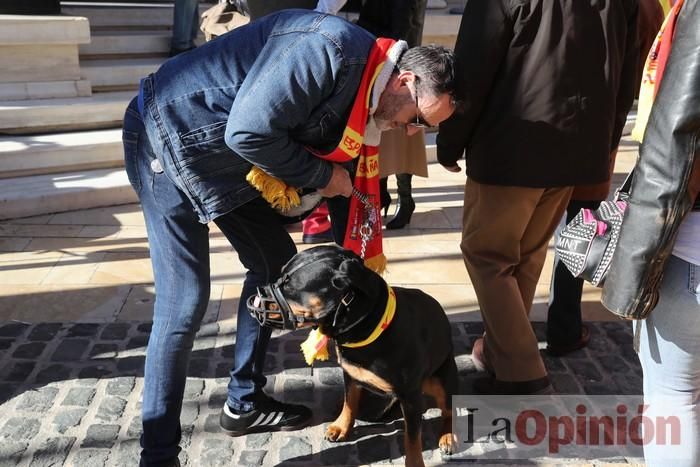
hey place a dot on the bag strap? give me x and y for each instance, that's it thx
(623, 193)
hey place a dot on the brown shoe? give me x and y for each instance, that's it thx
(479, 358)
(561, 350)
(489, 385)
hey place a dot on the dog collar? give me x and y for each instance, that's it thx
(384, 323)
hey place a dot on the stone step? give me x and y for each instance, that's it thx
(126, 43)
(61, 152)
(46, 194)
(118, 75)
(102, 110)
(128, 16)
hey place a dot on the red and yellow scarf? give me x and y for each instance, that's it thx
(351, 147)
(654, 70)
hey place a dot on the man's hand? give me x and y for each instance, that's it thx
(340, 183)
(453, 168)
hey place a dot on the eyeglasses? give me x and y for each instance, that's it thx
(420, 122)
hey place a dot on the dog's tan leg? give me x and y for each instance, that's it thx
(341, 427)
(434, 388)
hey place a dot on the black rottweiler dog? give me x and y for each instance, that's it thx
(412, 355)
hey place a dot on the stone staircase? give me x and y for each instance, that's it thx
(63, 154)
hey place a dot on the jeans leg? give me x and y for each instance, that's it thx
(263, 246)
(179, 249)
(670, 356)
(564, 313)
(185, 23)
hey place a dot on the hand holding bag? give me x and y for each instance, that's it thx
(586, 245)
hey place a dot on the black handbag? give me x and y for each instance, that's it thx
(587, 243)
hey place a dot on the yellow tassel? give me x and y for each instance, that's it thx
(377, 263)
(273, 190)
(315, 347)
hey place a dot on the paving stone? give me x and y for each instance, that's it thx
(273, 346)
(474, 327)
(19, 371)
(81, 397)
(121, 386)
(292, 346)
(96, 371)
(144, 328)
(374, 449)
(337, 453)
(257, 440)
(87, 382)
(135, 428)
(83, 330)
(127, 453)
(216, 453)
(13, 329)
(222, 370)
(6, 343)
(39, 400)
(31, 350)
(229, 351)
(70, 350)
(131, 365)
(138, 342)
(270, 365)
(7, 391)
(91, 457)
(111, 409)
(218, 397)
(67, 419)
(103, 351)
(296, 449)
(20, 429)
(115, 332)
(11, 453)
(193, 388)
(553, 364)
(189, 413)
(299, 390)
(613, 364)
(252, 458)
(565, 384)
(100, 436)
(52, 452)
(55, 372)
(44, 331)
(585, 371)
(199, 368)
(211, 424)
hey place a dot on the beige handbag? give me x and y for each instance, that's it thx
(220, 19)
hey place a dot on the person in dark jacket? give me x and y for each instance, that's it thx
(566, 332)
(547, 86)
(272, 98)
(655, 271)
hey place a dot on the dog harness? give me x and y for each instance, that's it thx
(315, 347)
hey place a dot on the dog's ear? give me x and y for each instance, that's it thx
(352, 273)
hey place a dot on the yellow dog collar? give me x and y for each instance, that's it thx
(315, 347)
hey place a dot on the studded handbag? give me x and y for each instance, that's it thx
(586, 245)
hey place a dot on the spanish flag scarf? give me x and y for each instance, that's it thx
(654, 70)
(351, 147)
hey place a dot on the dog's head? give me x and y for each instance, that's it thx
(317, 287)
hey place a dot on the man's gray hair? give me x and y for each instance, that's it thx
(434, 66)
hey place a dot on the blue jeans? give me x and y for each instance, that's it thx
(670, 356)
(179, 249)
(564, 313)
(185, 24)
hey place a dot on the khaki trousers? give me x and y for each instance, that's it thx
(505, 234)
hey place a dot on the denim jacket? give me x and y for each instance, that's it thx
(261, 94)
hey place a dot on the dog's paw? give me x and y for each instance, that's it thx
(336, 433)
(447, 443)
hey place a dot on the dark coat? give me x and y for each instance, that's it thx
(547, 85)
(395, 19)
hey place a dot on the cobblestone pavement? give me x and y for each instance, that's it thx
(70, 395)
